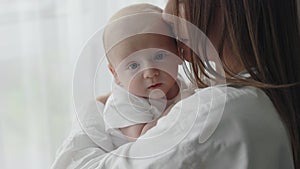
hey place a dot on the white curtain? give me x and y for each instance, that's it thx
(39, 43)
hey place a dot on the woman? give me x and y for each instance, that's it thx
(261, 37)
(258, 125)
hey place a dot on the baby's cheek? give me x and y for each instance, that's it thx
(136, 87)
(125, 79)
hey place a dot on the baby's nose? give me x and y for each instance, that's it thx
(150, 73)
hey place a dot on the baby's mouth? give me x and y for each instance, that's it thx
(154, 86)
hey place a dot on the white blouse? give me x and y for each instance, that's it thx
(216, 128)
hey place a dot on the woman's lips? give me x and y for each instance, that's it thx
(154, 86)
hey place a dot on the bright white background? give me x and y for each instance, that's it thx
(40, 41)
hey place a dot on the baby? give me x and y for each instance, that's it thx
(145, 69)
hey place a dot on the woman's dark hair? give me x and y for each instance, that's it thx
(264, 35)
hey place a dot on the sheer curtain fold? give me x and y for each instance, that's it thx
(40, 41)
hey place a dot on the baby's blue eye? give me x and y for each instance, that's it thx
(160, 56)
(133, 66)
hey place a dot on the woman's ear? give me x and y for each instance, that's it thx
(114, 73)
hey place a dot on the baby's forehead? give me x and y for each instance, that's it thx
(141, 45)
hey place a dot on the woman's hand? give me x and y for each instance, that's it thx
(103, 98)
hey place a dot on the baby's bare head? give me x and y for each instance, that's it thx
(135, 9)
(130, 26)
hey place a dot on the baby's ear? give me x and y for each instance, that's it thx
(114, 73)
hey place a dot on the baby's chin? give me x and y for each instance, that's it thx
(153, 94)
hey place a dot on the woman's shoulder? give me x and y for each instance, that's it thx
(238, 103)
(224, 109)
(228, 95)
(235, 122)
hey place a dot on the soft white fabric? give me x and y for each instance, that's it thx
(216, 128)
(124, 109)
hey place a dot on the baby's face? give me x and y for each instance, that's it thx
(145, 64)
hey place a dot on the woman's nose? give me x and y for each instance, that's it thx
(150, 73)
(169, 12)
